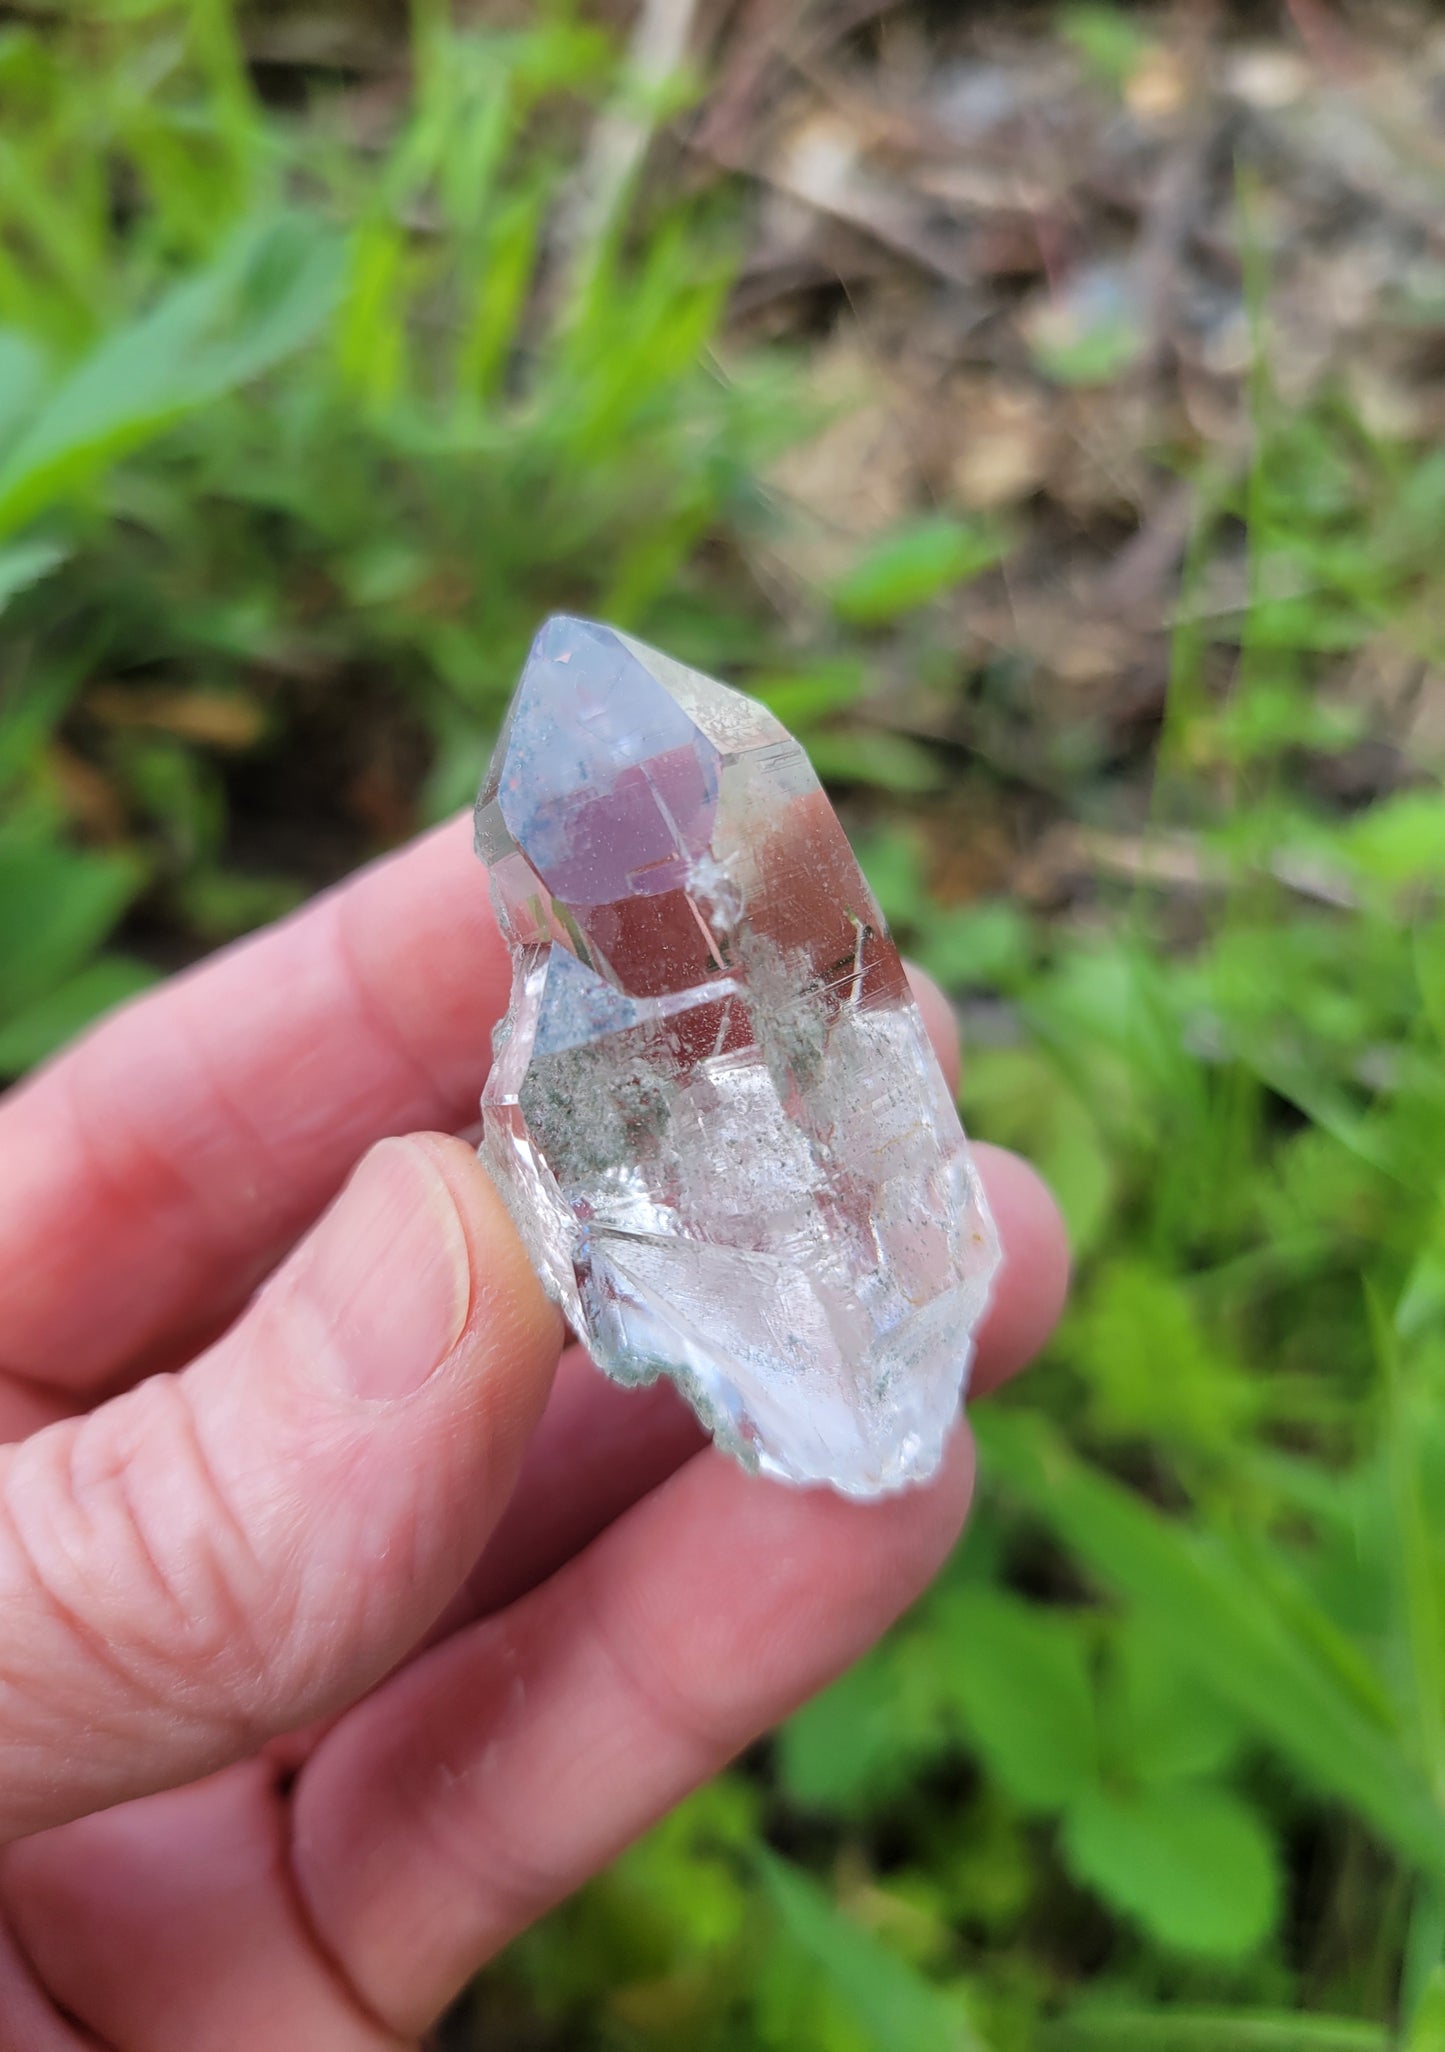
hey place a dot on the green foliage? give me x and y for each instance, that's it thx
(58, 906)
(1119, 2030)
(265, 440)
(268, 292)
(298, 439)
(886, 2002)
(1107, 1734)
(911, 565)
(1192, 1863)
(1109, 39)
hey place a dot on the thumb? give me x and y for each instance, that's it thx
(221, 1555)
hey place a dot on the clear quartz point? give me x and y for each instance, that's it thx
(713, 1110)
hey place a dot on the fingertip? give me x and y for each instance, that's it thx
(940, 1019)
(1033, 1279)
(499, 1374)
(505, 1289)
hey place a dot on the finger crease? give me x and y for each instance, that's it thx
(365, 1002)
(328, 1962)
(674, 1711)
(91, 1640)
(17, 1956)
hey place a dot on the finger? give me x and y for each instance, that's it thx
(1033, 1275)
(222, 1555)
(27, 1406)
(157, 1169)
(600, 1448)
(940, 1019)
(183, 1145)
(31, 2021)
(490, 1778)
(161, 1926)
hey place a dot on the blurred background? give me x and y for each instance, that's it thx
(1040, 406)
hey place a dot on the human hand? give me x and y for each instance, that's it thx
(339, 1635)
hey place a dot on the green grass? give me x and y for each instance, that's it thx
(299, 435)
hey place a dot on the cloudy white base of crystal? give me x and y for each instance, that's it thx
(713, 1110)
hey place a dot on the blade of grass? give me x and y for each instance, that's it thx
(1110, 2030)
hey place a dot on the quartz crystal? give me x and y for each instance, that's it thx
(713, 1111)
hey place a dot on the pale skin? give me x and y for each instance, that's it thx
(349, 1621)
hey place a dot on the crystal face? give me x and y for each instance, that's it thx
(713, 1110)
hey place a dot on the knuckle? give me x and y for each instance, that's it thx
(129, 1561)
(667, 1702)
(491, 1862)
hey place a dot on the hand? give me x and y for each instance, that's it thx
(339, 1635)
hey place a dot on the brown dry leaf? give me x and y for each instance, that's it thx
(972, 848)
(1423, 732)
(1159, 85)
(1267, 76)
(1006, 436)
(1390, 405)
(1069, 643)
(822, 160)
(88, 795)
(1103, 464)
(215, 719)
(1402, 695)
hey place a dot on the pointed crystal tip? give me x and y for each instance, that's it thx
(602, 781)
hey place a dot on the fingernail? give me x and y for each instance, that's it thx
(390, 1270)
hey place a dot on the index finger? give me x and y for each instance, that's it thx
(161, 1166)
(157, 1169)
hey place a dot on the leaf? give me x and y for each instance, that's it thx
(983, 946)
(36, 1032)
(1110, 41)
(1422, 1976)
(1401, 840)
(1427, 2027)
(25, 563)
(1103, 2029)
(1220, 1619)
(913, 564)
(853, 1745)
(1429, 947)
(1418, 1561)
(803, 697)
(1192, 1864)
(266, 294)
(22, 379)
(34, 711)
(893, 2005)
(1163, 1725)
(1018, 1097)
(890, 762)
(57, 904)
(1019, 1676)
(1092, 355)
(1422, 1297)
(1134, 1317)
(892, 861)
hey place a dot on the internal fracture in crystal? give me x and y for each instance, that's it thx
(713, 1110)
